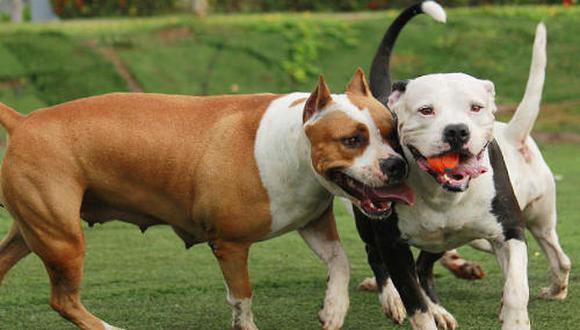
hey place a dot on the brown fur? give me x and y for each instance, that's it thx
(382, 117)
(143, 158)
(326, 150)
(325, 133)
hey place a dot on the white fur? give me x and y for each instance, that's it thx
(434, 10)
(443, 318)
(391, 302)
(110, 327)
(242, 317)
(423, 321)
(283, 156)
(523, 120)
(441, 220)
(450, 96)
(512, 257)
(336, 301)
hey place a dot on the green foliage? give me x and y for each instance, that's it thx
(301, 40)
(347, 5)
(90, 8)
(61, 69)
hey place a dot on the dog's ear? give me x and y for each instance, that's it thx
(399, 88)
(490, 88)
(358, 84)
(318, 99)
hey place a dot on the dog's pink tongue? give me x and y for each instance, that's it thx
(471, 167)
(399, 192)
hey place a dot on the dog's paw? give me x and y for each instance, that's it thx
(442, 317)
(245, 326)
(333, 312)
(514, 319)
(368, 284)
(554, 293)
(423, 321)
(391, 303)
(461, 268)
(110, 327)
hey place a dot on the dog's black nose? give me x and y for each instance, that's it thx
(394, 167)
(456, 135)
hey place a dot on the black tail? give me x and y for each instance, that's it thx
(380, 76)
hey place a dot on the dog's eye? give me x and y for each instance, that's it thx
(426, 110)
(352, 141)
(476, 108)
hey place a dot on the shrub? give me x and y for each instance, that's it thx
(89, 8)
(347, 5)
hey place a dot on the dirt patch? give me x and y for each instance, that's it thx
(566, 137)
(405, 59)
(174, 33)
(556, 123)
(111, 55)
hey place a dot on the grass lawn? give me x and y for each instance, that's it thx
(151, 282)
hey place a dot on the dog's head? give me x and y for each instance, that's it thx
(353, 145)
(445, 114)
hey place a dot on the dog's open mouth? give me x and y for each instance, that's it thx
(375, 202)
(456, 177)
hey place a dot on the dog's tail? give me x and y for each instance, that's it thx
(9, 118)
(520, 126)
(380, 76)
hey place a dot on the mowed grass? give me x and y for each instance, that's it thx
(151, 282)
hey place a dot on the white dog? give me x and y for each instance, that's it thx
(500, 184)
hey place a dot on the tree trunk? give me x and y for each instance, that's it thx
(17, 8)
(200, 7)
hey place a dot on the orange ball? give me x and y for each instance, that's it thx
(444, 162)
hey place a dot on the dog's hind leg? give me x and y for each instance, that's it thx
(12, 249)
(48, 219)
(541, 221)
(322, 237)
(460, 267)
(482, 245)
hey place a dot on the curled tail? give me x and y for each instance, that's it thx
(380, 77)
(9, 118)
(520, 126)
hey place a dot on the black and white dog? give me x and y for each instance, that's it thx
(500, 186)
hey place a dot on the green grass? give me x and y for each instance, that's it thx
(151, 282)
(257, 53)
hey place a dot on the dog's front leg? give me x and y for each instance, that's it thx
(512, 257)
(389, 297)
(233, 260)
(322, 237)
(425, 264)
(400, 264)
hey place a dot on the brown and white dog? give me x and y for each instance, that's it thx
(227, 170)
